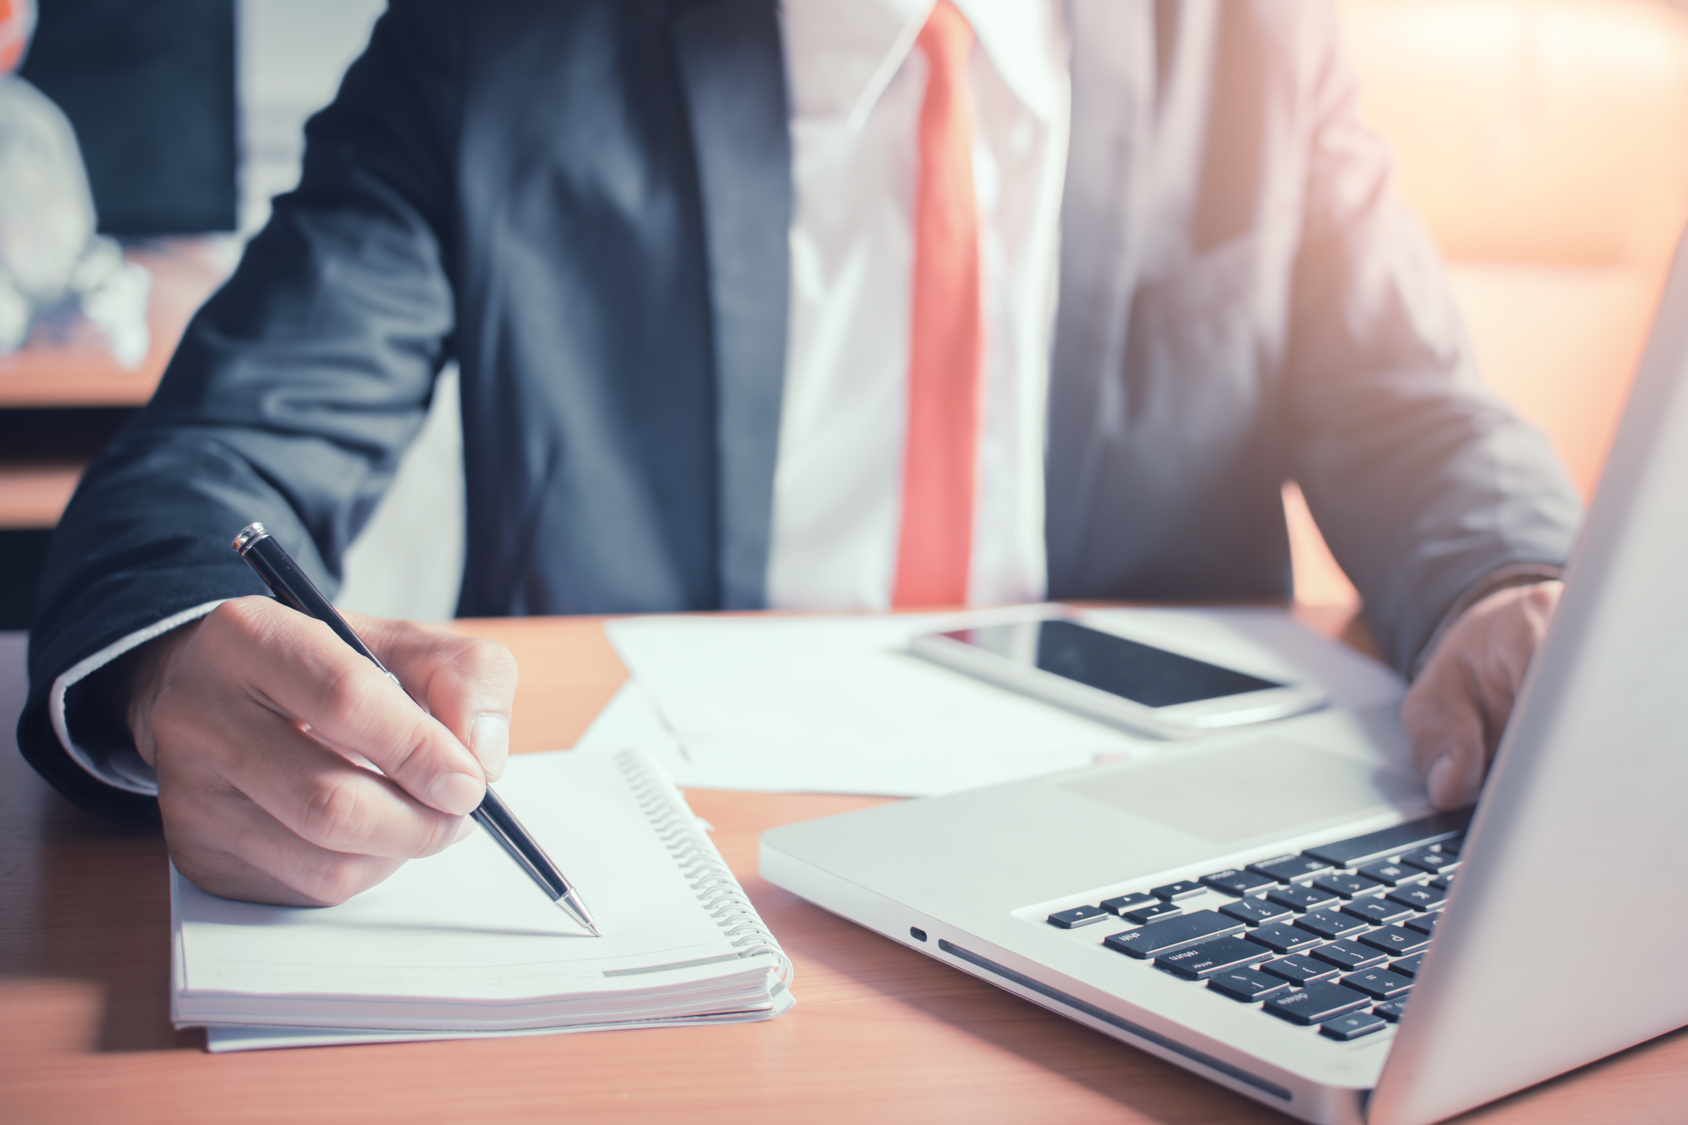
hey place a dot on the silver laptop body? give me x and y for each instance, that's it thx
(1564, 937)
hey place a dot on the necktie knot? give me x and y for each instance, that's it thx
(946, 40)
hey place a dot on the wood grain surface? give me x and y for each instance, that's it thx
(881, 1033)
(35, 494)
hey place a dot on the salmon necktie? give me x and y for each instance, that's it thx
(946, 348)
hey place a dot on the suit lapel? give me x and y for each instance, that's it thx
(1103, 212)
(732, 66)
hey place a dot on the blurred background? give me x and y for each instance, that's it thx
(1544, 143)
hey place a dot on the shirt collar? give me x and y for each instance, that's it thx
(841, 54)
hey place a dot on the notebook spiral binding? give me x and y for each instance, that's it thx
(701, 865)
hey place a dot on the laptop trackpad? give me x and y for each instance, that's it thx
(1229, 796)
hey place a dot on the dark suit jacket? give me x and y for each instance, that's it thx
(586, 205)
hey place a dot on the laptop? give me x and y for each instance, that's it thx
(1280, 911)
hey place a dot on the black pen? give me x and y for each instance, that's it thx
(294, 589)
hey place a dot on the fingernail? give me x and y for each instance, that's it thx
(1438, 779)
(1450, 786)
(1471, 784)
(489, 740)
(456, 793)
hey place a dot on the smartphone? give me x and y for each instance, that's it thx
(1146, 690)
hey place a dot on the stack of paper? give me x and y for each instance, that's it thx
(463, 943)
(837, 704)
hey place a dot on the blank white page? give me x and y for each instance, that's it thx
(468, 924)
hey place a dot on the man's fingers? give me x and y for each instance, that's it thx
(1459, 707)
(1445, 725)
(315, 792)
(292, 770)
(230, 847)
(468, 684)
(302, 671)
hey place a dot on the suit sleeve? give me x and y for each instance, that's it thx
(290, 400)
(1424, 483)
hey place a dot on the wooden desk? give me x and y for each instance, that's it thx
(880, 1032)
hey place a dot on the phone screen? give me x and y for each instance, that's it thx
(1138, 672)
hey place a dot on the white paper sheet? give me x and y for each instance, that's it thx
(221, 1039)
(837, 704)
(14, 685)
(631, 719)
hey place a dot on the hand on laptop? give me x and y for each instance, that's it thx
(1459, 704)
(261, 724)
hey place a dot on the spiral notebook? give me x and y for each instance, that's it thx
(461, 944)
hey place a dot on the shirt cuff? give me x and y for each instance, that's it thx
(118, 765)
(1521, 574)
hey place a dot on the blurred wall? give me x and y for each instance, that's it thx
(291, 56)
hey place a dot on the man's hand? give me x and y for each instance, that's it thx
(262, 725)
(1459, 705)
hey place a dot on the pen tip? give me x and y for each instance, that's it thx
(571, 906)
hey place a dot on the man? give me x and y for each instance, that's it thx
(822, 304)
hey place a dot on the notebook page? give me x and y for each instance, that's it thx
(467, 924)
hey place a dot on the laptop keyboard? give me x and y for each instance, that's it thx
(1331, 938)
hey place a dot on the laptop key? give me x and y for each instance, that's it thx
(1299, 898)
(1351, 1026)
(1197, 962)
(1392, 873)
(1407, 966)
(1418, 897)
(1429, 859)
(1246, 985)
(1349, 955)
(1379, 984)
(1424, 923)
(1255, 911)
(1234, 881)
(1127, 902)
(1396, 939)
(1442, 882)
(1168, 934)
(1392, 1011)
(1329, 924)
(1299, 969)
(1280, 938)
(1316, 1003)
(1156, 909)
(1344, 885)
(1392, 841)
(1287, 868)
(1376, 911)
(1077, 916)
(1184, 888)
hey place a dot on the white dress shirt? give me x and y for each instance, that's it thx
(857, 85)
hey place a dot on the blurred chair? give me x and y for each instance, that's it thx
(1545, 144)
